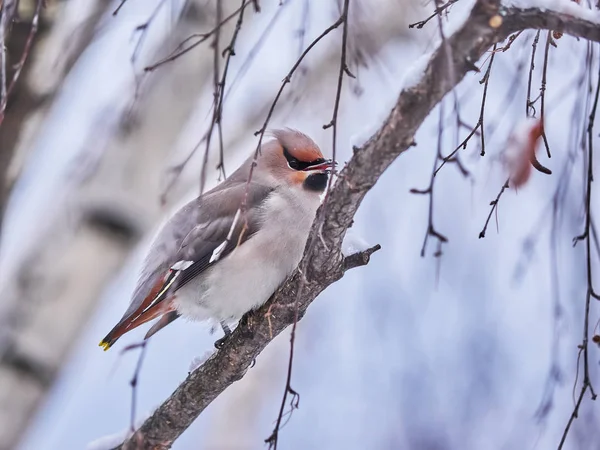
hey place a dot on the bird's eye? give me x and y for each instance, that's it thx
(294, 163)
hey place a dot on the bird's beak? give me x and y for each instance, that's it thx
(325, 165)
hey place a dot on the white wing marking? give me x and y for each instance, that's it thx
(181, 265)
(216, 254)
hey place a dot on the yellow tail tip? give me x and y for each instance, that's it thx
(105, 345)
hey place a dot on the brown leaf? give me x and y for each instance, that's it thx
(520, 150)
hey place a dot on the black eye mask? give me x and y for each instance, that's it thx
(296, 164)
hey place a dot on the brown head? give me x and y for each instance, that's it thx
(295, 159)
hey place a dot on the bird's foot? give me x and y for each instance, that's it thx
(226, 328)
(219, 343)
(227, 331)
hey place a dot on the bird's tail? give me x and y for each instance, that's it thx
(156, 303)
(129, 323)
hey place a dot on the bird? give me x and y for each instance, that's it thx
(228, 250)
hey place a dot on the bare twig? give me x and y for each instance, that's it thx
(543, 90)
(135, 378)
(529, 105)
(118, 8)
(511, 41)
(431, 231)
(503, 106)
(288, 78)
(141, 31)
(494, 206)
(343, 70)
(438, 11)
(181, 49)
(230, 51)
(143, 28)
(216, 88)
(480, 122)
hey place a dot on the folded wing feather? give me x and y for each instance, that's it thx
(197, 237)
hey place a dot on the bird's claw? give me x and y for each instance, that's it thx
(219, 343)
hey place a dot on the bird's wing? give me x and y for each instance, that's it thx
(197, 237)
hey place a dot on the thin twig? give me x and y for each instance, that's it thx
(338, 93)
(480, 122)
(135, 379)
(529, 104)
(215, 45)
(118, 8)
(494, 205)
(143, 30)
(503, 106)
(230, 50)
(437, 12)
(543, 91)
(511, 40)
(180, 50)
(431, 231)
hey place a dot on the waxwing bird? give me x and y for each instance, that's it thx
(212, 260)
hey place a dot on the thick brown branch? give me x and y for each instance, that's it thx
(326, 263)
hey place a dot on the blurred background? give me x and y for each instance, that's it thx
(473, 349)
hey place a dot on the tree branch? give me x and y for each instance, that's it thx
(326, 264)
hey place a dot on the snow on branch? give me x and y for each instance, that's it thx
(489, 23)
